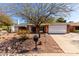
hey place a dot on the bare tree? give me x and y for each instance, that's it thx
(38, 13)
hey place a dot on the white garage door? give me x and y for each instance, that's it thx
(57, 29)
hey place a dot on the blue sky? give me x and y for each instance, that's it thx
(5, 7)
(18, 18)
(74, 15)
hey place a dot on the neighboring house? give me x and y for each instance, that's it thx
(73, 27)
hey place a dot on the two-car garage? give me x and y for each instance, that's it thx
(57, 28)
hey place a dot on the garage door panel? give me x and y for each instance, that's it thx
(57, 29)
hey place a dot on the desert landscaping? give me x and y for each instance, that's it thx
(12, 45)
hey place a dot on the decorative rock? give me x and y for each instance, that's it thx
(9, 48)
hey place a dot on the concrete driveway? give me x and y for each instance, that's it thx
(69, 43)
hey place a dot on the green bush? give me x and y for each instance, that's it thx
(76, 31)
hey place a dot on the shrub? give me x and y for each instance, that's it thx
(23, 32)
(76, 31)
(23, 38)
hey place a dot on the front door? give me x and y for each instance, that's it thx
(33, 29)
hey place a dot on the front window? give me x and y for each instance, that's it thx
(77, 27)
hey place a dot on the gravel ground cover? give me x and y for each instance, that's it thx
(15, 45)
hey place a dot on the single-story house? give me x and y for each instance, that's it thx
(56, 27)
(50, 28)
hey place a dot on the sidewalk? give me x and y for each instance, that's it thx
(65, 44)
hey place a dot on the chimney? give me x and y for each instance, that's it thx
(18, 22)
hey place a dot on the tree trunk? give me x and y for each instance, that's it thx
(39, 34)
(8, 28)
(38, 30)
